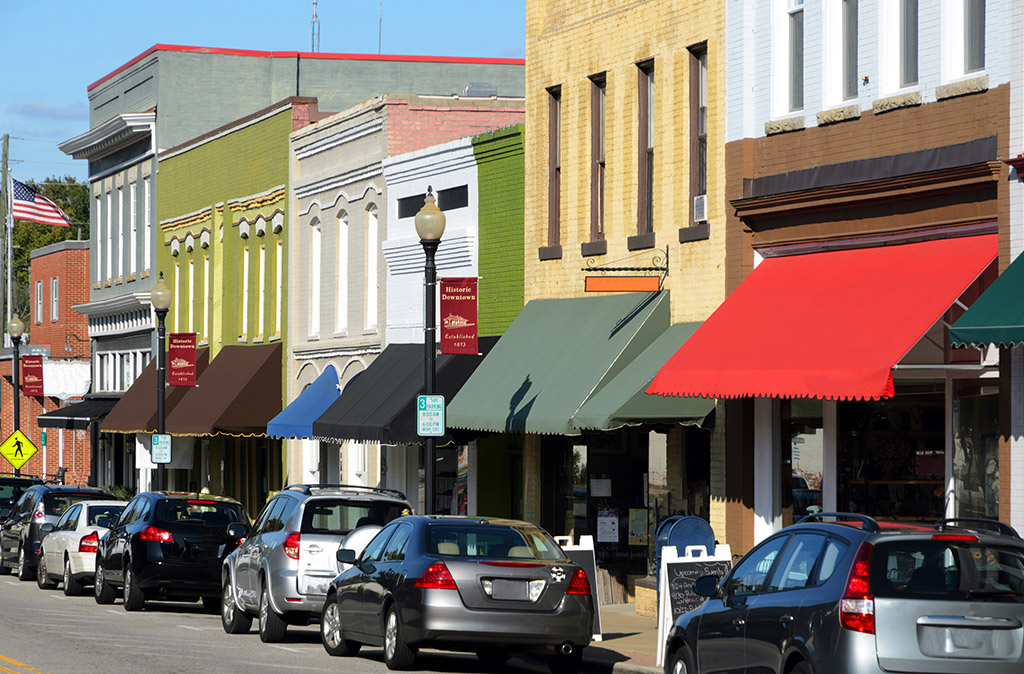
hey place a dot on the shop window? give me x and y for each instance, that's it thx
(976, 451)
(803, 451)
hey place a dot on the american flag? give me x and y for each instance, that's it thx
(31, 205)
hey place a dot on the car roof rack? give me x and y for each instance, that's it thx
(307, 489)
(866, 523)
(978, 522)
(34, 477)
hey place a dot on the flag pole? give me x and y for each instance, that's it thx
(5, 211)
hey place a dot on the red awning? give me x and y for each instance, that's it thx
(825, 325)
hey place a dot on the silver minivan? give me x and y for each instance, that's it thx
(281, 571)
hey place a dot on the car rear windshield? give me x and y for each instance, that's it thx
(104, 515)
(57, 504)
(199, 511)
(338, 516)
(12, 491)
(492, 540)
(948, 570)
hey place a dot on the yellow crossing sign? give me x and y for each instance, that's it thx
(17, 449)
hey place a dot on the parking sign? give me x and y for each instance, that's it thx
(430, 416)
(161, 448)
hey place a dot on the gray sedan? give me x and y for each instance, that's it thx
(491, 586)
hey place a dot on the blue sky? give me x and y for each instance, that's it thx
(52, 51)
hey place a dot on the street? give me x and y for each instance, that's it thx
(44, 631)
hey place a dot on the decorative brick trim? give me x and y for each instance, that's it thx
(119, 280)
(896, 102)
(698, 232)
(129, 278)
(549, 253)
(784, 125)
(640, 241)
(144, 274)
(836, 115)
(107, 284)
(975, 85)
(592, 248)
(97, 285)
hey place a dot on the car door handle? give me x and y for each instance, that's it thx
(739, 622)
(786, 619)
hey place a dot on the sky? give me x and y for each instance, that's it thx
(52, 50)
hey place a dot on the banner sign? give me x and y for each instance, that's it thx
(32, 375)
(181, 359)
(459, 316)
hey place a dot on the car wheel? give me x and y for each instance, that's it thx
(492, 656)
(397, 653)
(232, 618)
(72, 587)
(102, 592)
(800, 668)
(42, 577)
(272, 626)
(682, 662)
(332, 632)
(24, 573)
(565, 664)
(133, 595)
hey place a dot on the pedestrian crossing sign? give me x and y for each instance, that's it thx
(17, 449)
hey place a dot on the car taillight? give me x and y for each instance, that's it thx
(89, 543)
(291, 545)
(857, 607)
(963, 538)
(436, 577)
(579, 584)
(152, 533)
(38, 516)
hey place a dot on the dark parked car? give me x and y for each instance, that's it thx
(22, 535)
(167, 545)
(495, 587)
(830, 596)
(11, 489)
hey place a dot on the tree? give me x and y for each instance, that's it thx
(73, 198)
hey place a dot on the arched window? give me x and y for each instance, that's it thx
(341, 289)
(314, 279)
(372, 253)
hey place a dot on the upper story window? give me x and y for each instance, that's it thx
(554, 165)
(974, 35)
(963, 37)
(372, 281)
(447, 200)
(849, 48)
(314, 279)
(55, 298)
(645, 97)
(598, 106)
(908, 42)
(795, 41)
(698, 95)
(39, 301)
(840, 26)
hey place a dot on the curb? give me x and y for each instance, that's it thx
(630, 668)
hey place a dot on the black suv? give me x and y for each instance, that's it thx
(861, 597)
(21, 537)
(11, 489)
(168, 545)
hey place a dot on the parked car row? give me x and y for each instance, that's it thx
(354, 559)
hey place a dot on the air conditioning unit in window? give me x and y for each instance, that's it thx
(700, 208)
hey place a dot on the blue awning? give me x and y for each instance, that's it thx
(296, 420)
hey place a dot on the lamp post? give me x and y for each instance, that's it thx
(429, 227)
(16, 328)
(160, 298)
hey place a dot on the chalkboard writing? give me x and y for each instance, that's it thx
(681, 576)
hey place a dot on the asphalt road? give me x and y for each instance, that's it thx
(42, 631)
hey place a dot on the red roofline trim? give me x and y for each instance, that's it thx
(306, 55)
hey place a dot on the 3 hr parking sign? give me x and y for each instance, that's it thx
(430, 415)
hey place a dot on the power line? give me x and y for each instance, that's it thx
(36, 140)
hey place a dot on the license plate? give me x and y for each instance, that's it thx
(514, 590)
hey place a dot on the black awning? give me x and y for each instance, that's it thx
(380, 405)
(78, 416)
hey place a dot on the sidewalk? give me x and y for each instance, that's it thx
(629, 643)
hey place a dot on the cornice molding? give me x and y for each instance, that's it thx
(113, 134)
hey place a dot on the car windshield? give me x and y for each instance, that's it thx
(948, 570)
(58, 503)
(104, 515)
(338, 516)
(199, 511)
(492, 540)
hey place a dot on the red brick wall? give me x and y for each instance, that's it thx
(413, 126)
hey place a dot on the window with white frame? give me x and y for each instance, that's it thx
(849, 48)
(177, 305)
(244, 330)
(148, 239)
(341, 282)
(787, 56)
(134, 224)
(191, 292)
(262, 298)
(840, 35)
(974, 35)
(120, 232)
(963, 37)
(279, 276)
(908, 42)
(206, 298)
(372, 252)
(55, 298)
(314, 279)
(795, 40)
(99, 239)
(110, 235)
(39, 301)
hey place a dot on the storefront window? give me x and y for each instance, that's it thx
(578, 503)
(976, 451)
(891, 456)
(803, 443)
(451, 480)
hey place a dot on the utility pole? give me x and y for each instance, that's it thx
(5, 224)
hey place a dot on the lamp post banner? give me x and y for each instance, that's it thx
(181, 359)
(32, 375)
(459, 316)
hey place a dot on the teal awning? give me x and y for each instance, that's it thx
(553, 358)
(296, 420)
(997, 317)
(625, 401)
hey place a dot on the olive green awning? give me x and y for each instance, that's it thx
(625, 402)
(555, 355)
(997, 317)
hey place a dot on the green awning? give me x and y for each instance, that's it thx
(625, 402)
(997, 317)
(556, 354)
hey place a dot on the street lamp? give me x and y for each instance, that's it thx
(160, 298)
(16, 328)
(429, 227)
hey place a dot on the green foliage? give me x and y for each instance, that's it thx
(120, 492)
(73, 198)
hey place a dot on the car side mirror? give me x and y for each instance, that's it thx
(706, 586)
(237, 530)
(346, 556)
